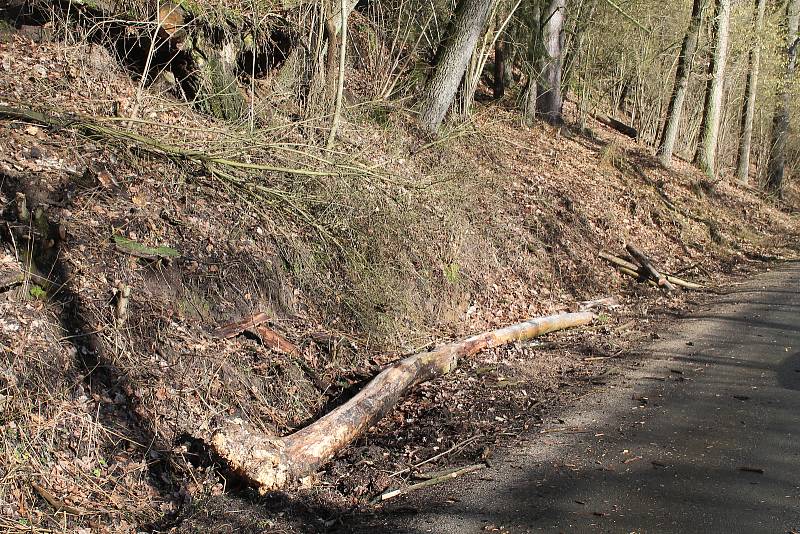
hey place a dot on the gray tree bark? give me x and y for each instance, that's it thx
(544, 98)
(549, 100)
(468, 24)
(751, 89)
(675, 109)
(776, 168)
(706, 154)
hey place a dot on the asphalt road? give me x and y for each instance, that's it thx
(704, 437)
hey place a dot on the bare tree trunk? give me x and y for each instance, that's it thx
(749, 109)
(534, 17)
(544, 98)
(499, 88)
(675, 110)
(549, 100)
(466, 27)
(780, 126)
(337, 113)
(706, 154)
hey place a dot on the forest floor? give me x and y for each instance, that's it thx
(379, 248)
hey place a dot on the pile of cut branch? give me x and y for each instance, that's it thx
(646, 270)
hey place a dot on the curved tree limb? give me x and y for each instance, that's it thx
(274, 463)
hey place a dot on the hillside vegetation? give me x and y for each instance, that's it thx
(384, 243)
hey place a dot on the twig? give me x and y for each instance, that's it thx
(438, 480)
(54, 502)
(633, 270)
(212, 164)
(434, 458)
(622, 12)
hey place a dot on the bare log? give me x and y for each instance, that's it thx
(274, 463)
(647, 265)
(619, 262)
(635, 271)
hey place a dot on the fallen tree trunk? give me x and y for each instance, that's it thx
(647, 265)
(635, 271)
(619, 126)
(274, 463)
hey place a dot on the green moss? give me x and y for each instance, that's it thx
(194, 305)
(219, 93)
(37, 292)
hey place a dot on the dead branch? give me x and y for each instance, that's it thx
(275, 341)
(233, 329)
(647, 265)
(633, 270)
(274, 463)
(438, 478)
(619, 126)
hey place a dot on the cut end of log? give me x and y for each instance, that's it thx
(253, 455)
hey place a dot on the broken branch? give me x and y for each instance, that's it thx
(647, 265)
(633, 270)
(437, 479)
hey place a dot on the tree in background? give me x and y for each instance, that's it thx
(780, 129)
(706, 154)
(467, 25)
(613, 58)
(543, 97)
(751, 89)
(499, 85)
(675, 110)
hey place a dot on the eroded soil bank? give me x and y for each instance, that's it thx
(358, 256)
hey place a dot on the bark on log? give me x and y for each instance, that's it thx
(274, 463)
(647, 265)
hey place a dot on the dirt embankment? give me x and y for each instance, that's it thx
(358, 255)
